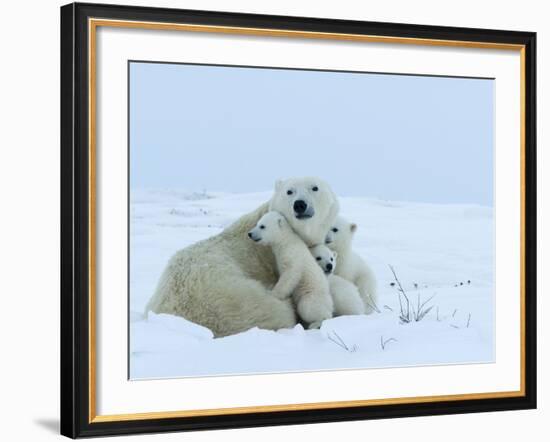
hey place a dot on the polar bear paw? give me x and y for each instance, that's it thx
(315, 324)
(280, 295)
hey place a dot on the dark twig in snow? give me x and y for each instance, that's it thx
(454, 313)
(420, 316)
(421, 311)
(388, 308)
(469, 317)
(373, 306)
(426, 301)
(384, 343)
(340, 343)
(337, 343)
(405, 317)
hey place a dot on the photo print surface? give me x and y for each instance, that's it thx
(287, 220)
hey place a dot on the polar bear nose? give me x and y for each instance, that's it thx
(329, 266)
(250, 234)
(300, 206)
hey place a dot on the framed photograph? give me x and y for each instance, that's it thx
(273, 220)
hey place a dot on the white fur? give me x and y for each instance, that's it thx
(350, 265)
(346, 297)
(299, 275)
(322, 202)
(223, 282)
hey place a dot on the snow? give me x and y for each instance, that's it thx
(434, 249)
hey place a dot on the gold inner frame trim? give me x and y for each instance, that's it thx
(305, 406)
(92, 28)
(300, 34)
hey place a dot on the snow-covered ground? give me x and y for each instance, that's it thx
(439, 251)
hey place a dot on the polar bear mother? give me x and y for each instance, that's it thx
(224, 282)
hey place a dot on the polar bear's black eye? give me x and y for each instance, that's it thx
(318, 258)
(332, 259)
(315, 188)
(262, 227)
(289, 192)
(334, 229)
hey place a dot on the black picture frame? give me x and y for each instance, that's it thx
(75, 221)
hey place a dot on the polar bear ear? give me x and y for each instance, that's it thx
(353, 227)
(335, 255)
(280, 222)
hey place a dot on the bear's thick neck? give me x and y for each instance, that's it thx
(344, 252)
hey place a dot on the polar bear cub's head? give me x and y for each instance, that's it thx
(325, 257)
(269, 229)
(308, 204)
(340, 235)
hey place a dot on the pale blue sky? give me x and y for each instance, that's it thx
(232, 129)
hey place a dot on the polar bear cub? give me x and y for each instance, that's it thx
(350, 265)
(299, 275)
(346, 297)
